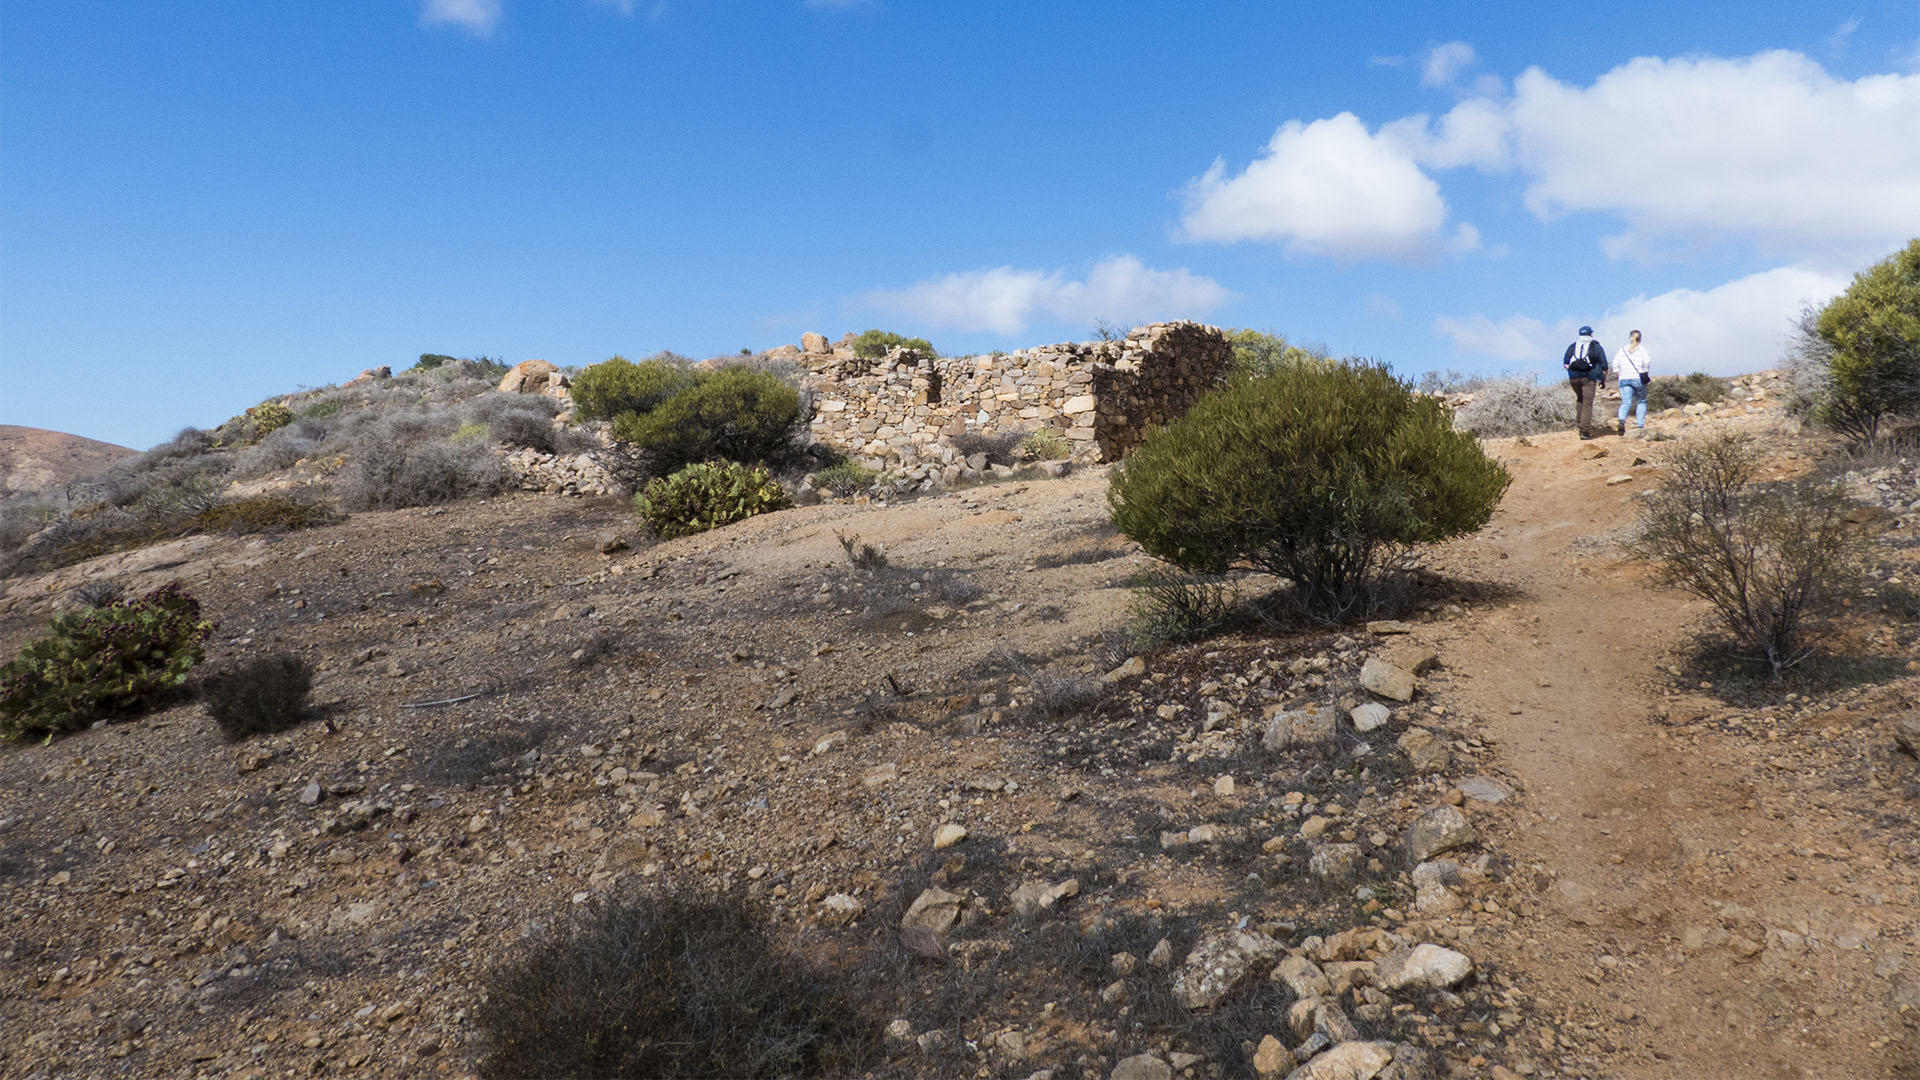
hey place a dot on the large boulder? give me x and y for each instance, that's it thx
(534, 377)
(814, 344)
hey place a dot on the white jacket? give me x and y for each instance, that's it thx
(1633, 362)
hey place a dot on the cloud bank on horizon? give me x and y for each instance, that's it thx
(1768, 153)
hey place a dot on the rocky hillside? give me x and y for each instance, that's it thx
(32, 459)
(1513, 833)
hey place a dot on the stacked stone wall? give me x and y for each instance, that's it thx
(903, 412)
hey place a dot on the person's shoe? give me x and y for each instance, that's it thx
(1586, 435)
(1623, 427)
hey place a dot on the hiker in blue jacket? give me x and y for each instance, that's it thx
(1586, 366)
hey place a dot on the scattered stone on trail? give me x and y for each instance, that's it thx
(1335, 862)
(1303, 977)
(1347, 1061)
(1427, 752)
(1381, 677)
(1142, 1067)
(840, 909)
(1220, 964)
(1132, 669)
(1442, 828)
(310, 794)
(1389, 626)
(1036, 896)
(1272, 1058)
(1369, 716)
(1410, 656)
(1426, 966)
(1485, 789)
(936, 909)
(1906, 732)
(948, 835)
(1309, 725)
(1622, 478)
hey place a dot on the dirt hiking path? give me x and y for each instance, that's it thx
(1689, 919)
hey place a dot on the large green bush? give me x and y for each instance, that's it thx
(1872, 338)
(124, 656)
(875, 344)
(736, 414)
(706, 496)
(605, 391)
(1323, 475)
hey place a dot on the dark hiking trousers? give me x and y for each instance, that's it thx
(1583, 393)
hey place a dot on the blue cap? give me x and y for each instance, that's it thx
(1586, 331)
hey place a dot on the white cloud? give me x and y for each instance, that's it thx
(1444, 63)
(1737, 327)
(1006, 299)
(1770, 148)
(1516, 339)
(1842, 36)
(1325, 188)
(477, 17)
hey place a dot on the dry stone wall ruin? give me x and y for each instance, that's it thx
(904, 411)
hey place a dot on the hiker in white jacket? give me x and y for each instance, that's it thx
(1635, 376)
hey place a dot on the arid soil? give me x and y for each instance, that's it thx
(33, 459)
(1665, 884)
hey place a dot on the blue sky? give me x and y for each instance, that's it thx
(203, 203)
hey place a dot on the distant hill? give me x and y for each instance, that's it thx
(32, 459)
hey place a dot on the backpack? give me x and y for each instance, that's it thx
(1580, 365)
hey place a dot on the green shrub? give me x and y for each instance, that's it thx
(260, 697)
(618, 386)
(736, 414)
(429, 361)
(1872, 338)
(1324, 475)
(1516, 406)
(669, 984)
(875, 344)
(126, 656)
(1699, 387)
(706, 496)
(1770, 558)
(1257, 354)
(1046, 444)
(323, 410)
(845, 478)
(261, 420)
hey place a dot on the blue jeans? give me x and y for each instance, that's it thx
(1629, 390)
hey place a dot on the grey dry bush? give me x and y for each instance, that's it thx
(862, 556)
(670, 983)
(1515, 405)
(1772, 559)
(410, 459)
(260, 697)
(1171, 606)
